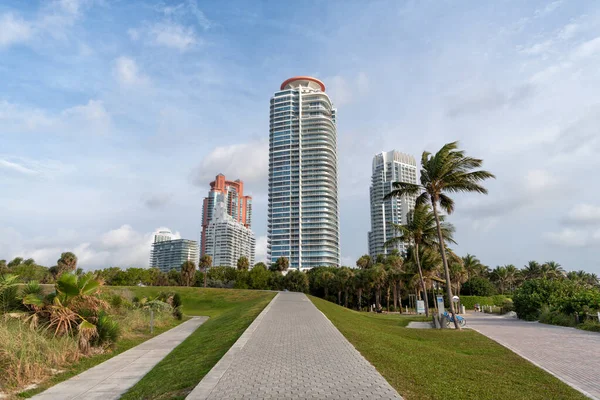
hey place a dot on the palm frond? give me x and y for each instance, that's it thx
(403, 188)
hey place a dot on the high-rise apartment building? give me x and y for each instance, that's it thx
(168, 253)
(303, 216)
(389, 167)
(231, 193)
(227, 240)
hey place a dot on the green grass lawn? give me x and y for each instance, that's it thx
(230, 311)
(442, 364)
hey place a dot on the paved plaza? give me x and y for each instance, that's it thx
(570, 354)
(115, 376)
(292, 351)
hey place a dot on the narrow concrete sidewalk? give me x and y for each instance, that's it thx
(569, 354)
(114, 377)
(292, 351)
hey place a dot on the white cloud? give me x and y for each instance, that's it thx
(123, 246)
(13, 29)
(47, 169)
(261, 250)
(127, 71)
(167, 34)
(91, 117)
(54, 19)
(584, 214)
(16, 167)
(248, 162)
(344, 90)
(568, 237)
(540, 180)
(587, 49)
(174, 36)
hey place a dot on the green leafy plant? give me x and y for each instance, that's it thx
(108, 330)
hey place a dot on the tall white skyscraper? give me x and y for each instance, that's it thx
(227, 239)
(303, 223)
(389, 167)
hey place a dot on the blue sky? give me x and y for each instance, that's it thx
(115, 115)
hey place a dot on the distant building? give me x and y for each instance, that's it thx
(168, 253)
(227, 240)
(231, 194)
(303, 215)
(389, 167)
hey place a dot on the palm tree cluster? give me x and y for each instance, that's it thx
(447, 172)
(507, 278)
(373, 282)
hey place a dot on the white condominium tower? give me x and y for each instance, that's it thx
(227, 239)
(389, 167)
(303, 223)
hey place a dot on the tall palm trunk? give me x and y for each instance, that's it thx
(360, 299)
(400, 297)
(388, 298)
(421, 279)
(205, 276)
(340, 297)
(445, 262)
(395, 285)
(346, 298)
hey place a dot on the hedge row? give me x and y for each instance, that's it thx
(470, 301)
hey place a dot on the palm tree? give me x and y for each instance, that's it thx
(532, 270)
(364, 262)
(188, 273)
(243, 263)
(282, 264)
(552, 269)
(512, 275)
(66, 263)
(378, 279)
(448, 171)
(395, 273)
(344, 277)
(360, 283)
(326, 278)
(204, 264)
(420, 231)
(500, 276)
(472, 265)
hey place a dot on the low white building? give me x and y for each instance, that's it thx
(227, 240)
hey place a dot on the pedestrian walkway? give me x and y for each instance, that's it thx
(292, 351)
(567, 353)
(114, 377)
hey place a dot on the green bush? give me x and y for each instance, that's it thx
(470, 301)
(590, 325)
(478, 286)
(507, 306)
(177, 313)
(561, 295)
(555, 317)
(296, 281)
(177, 300)
(116, 301)
(108, 330)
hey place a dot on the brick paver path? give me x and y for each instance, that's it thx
(569, 354)
(110, 379)
(292, 351)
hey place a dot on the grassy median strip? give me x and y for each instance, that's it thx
(442, 364)
(230, 311)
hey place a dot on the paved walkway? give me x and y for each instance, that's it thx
(570, 354)
(115, 376)
(292, 351)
